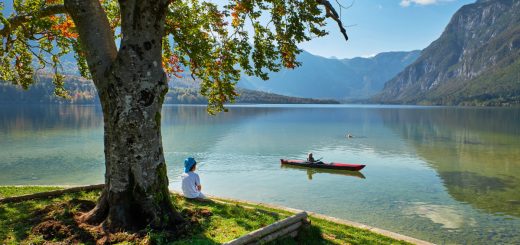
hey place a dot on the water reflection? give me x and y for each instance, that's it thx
(440, 174)
(446, 215)
(476, 152)
(492, 194)
(312, 171)
(20, 119)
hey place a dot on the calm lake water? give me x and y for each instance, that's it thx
(446, 175)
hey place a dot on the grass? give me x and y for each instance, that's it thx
(8, 191)
(326, 232)
(47, 220)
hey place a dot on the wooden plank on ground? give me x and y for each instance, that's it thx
(257, 235)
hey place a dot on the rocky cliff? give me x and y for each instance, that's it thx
(476, 61)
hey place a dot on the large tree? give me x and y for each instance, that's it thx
(129, 48)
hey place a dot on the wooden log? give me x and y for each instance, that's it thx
(258, 234)
(277, 234)
(51, 193)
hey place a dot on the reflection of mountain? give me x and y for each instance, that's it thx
(38, 117)
(476, 152)
(51, 145)
(191, 128)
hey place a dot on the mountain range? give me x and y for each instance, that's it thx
(340, 79)
(83, 91)
(476, 61)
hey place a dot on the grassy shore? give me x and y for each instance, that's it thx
(52, 219)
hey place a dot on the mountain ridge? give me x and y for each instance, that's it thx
(83, 91)
(475, 61)
(342, 79)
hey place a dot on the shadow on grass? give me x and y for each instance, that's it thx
(45, 219)
(16, 216)
(308, 234)
(52, 220)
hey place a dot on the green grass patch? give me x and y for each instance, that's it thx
(51, 220)
(10, 191)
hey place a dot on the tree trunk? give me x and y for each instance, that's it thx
(136, 185)
(131, 89)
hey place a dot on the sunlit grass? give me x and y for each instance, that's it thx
(211, 222)
(9, 191)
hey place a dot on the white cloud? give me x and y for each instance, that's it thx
(406, 3)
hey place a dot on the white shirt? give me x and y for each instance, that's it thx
(190, 181)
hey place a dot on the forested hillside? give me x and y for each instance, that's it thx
(82, 91)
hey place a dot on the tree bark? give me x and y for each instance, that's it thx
(131, 84)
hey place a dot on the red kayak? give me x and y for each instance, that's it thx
(332, 165)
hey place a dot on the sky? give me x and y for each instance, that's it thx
(376, 26)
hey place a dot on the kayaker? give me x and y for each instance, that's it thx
(310, 158)
(191, 187)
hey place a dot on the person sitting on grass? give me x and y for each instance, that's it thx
(191, 187)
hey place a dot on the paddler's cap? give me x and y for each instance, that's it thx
(188, 164)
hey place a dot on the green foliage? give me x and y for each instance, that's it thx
(211, 41)
(214, 43)
(83, 92)
(497, 87)
(40, 41)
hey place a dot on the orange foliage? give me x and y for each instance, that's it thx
(172, 66)
(237, 10)
(65, 28)
(288, 60)
(114, 23)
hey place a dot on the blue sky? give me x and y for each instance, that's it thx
(376, 26)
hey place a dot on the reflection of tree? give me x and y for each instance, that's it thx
(475, 151)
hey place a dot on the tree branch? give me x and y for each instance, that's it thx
(16, 21)
(331, 12)
(95, 35)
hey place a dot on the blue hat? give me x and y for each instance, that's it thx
(188, 164)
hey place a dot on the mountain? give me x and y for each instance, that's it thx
(82, 91)
(476, 61)
(342, 79)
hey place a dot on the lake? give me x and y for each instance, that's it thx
(442, 174)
